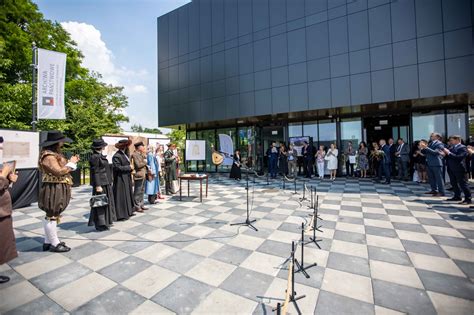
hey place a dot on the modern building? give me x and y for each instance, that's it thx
(334, 70)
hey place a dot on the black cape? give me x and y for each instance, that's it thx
(123, 193)
(101, 175)
(235, 171)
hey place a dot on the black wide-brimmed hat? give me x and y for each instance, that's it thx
(53, 137)
(138, 144)
(122, 144)
(98, 144)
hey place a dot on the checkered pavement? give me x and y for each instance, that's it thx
(385, 249)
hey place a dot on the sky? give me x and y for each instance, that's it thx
(118, 39)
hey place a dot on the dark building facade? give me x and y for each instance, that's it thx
(334, 70)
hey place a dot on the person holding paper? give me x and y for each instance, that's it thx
(7, 237)
(349, 157)
(55, 191)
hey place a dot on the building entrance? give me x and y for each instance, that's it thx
(385, 127)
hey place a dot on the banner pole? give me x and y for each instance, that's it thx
(33, 88)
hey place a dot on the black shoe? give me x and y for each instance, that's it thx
(466, 202)
(46, 247)
(102, 228)
(61, 248)
(386, 183)
(431, 192)
(454, 199)
(4, 279)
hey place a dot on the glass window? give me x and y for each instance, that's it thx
(457, 124)
(294, 130)
(310, 129)
(327, 133)
(425, 124)
(209, 136)
(404, 133)
(351, 131)
(232, 133)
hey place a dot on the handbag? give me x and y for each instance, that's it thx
(99, 201)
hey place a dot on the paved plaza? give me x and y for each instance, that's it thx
(385, 249)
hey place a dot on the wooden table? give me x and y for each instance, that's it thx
(190, 177)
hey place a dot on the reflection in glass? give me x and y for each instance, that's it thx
(310, 129)
(424, 125)
(327, 133)
(457, 125)
(294, 130)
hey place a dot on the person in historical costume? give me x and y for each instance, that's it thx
(152, 184)
(7, 237)
(55, 191)
(235, 171)
(139, 175)
(122, 186)
(160, 160)
(170, 168)
(101, 182)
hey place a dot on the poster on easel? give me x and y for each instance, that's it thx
(195, 150)
(21, 147)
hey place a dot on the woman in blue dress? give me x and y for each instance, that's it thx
(152, 184)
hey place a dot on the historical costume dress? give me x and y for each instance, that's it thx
(170, 169)
(122, 187)
(139, 176)
(101, 182)
(152, 184)
(55, 191)
(7, 237)
(235, 171)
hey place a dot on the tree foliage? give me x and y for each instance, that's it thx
(139, 128)
(93, 108)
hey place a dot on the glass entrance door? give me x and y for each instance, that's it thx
(268, 135)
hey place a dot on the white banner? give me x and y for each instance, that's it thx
(51, 76)
(227, 147)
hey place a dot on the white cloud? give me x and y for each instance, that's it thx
(99, 58)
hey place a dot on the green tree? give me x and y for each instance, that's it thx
(93, 108)
(178, 136)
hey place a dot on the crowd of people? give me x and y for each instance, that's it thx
(425, 162)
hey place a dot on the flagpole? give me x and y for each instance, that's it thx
(33, 88)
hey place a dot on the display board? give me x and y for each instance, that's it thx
(298, 143)
(155, 142)
(20, 146)
(111, 149)
(195, 150)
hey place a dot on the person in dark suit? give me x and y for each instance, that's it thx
(308, 154)
(272, 154)
(101, 181)
(386, 162)
(393, 161)
(457, 169)
(434, 161)
(402, 156)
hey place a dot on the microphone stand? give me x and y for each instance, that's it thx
(247, 221)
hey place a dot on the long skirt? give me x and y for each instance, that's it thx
(54, 198)
(7, 240)
(235, 172)
(103, 216)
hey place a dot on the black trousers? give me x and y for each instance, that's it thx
(459, 183)
(384, 168)
(349, 167)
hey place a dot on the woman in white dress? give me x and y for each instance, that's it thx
(331, 157)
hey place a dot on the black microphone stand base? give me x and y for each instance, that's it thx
(247, 223)
(315, 241)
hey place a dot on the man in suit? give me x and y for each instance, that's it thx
(386, 162)
(307, 152)
(434, 161)
(457, 169)
(402, 156)
(272, 154)
(393, 160)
